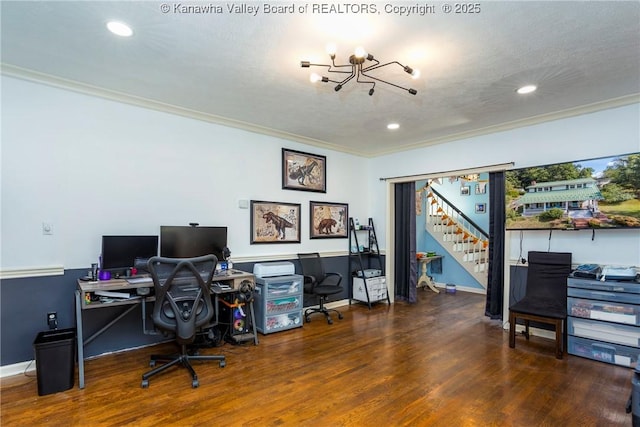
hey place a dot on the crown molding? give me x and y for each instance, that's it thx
(86, 89)
(111, 95)
(515, 124)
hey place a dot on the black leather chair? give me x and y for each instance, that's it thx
(545, 299)
(182, 306)
(319, 284)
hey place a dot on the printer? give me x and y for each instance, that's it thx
(272, 269)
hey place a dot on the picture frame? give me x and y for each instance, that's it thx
(481, 187)
(328, 220)
(481, 208)
(465, 190)
(303, 171)
(275, 222)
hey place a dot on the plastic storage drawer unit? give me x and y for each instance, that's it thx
(605, 331)
(278, 303)
(376, 288)
(603, 351)
(610, 311)
(603, 320)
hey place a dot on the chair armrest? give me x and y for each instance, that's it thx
(309, 283)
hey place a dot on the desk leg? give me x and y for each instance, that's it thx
(80, 344)
(253, 324)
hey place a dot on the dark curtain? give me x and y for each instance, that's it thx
(495, 285)
(406, 265)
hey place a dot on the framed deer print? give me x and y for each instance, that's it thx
(303, 171)
(275, 222)
(328, 220)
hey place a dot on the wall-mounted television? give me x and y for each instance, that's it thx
(189, 241)
(120, 252)
(601, 193)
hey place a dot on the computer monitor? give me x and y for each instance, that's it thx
(189, 242)
(120, 252)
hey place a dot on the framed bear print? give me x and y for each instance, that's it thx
(328, 220)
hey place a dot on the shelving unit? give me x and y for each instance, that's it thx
(366, 270)
(604, 320)
(278, 303)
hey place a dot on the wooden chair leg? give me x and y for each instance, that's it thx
(559, 339)
(565, 345)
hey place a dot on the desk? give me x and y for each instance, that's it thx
(424, 280)
(84, 290)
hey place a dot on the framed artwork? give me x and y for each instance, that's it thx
(481, 208)
(481, 187)
(328, 220)
(275, 222)
(464, 190)
(304, 171)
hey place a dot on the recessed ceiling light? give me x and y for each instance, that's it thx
(119, 28)
(527, 89)
(393, 126)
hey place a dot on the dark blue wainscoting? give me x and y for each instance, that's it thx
(24, 304)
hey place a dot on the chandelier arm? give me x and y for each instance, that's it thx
(329, 67)
(353, 74)
(339, 71)
(372, 65)
(378, 65)
(360, 73)
(389, 83)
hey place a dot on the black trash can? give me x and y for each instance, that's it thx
(55, 360)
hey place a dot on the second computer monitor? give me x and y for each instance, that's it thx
(189, 242)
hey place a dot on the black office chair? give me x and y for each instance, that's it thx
(182, 306)
(545, 299)
(319, 284)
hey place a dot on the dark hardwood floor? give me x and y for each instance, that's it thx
(439, 362)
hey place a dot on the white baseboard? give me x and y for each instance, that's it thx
(332, 304)
(544, 333)
(462, 288)
(17, 368)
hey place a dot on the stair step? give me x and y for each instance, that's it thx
(475, 250)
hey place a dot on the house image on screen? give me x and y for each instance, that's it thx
(578, 198)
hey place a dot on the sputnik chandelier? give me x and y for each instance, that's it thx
(358, 70)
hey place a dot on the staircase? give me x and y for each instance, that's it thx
(461, 238)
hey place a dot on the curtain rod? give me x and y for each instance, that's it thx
(488, 168)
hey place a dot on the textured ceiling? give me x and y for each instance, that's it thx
(243, 70)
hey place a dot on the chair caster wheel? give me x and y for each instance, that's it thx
(340, 316)
(145, 384)
(152, 363)
(223, 363)
(307, 319)
(195, 384)
(329, 321)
